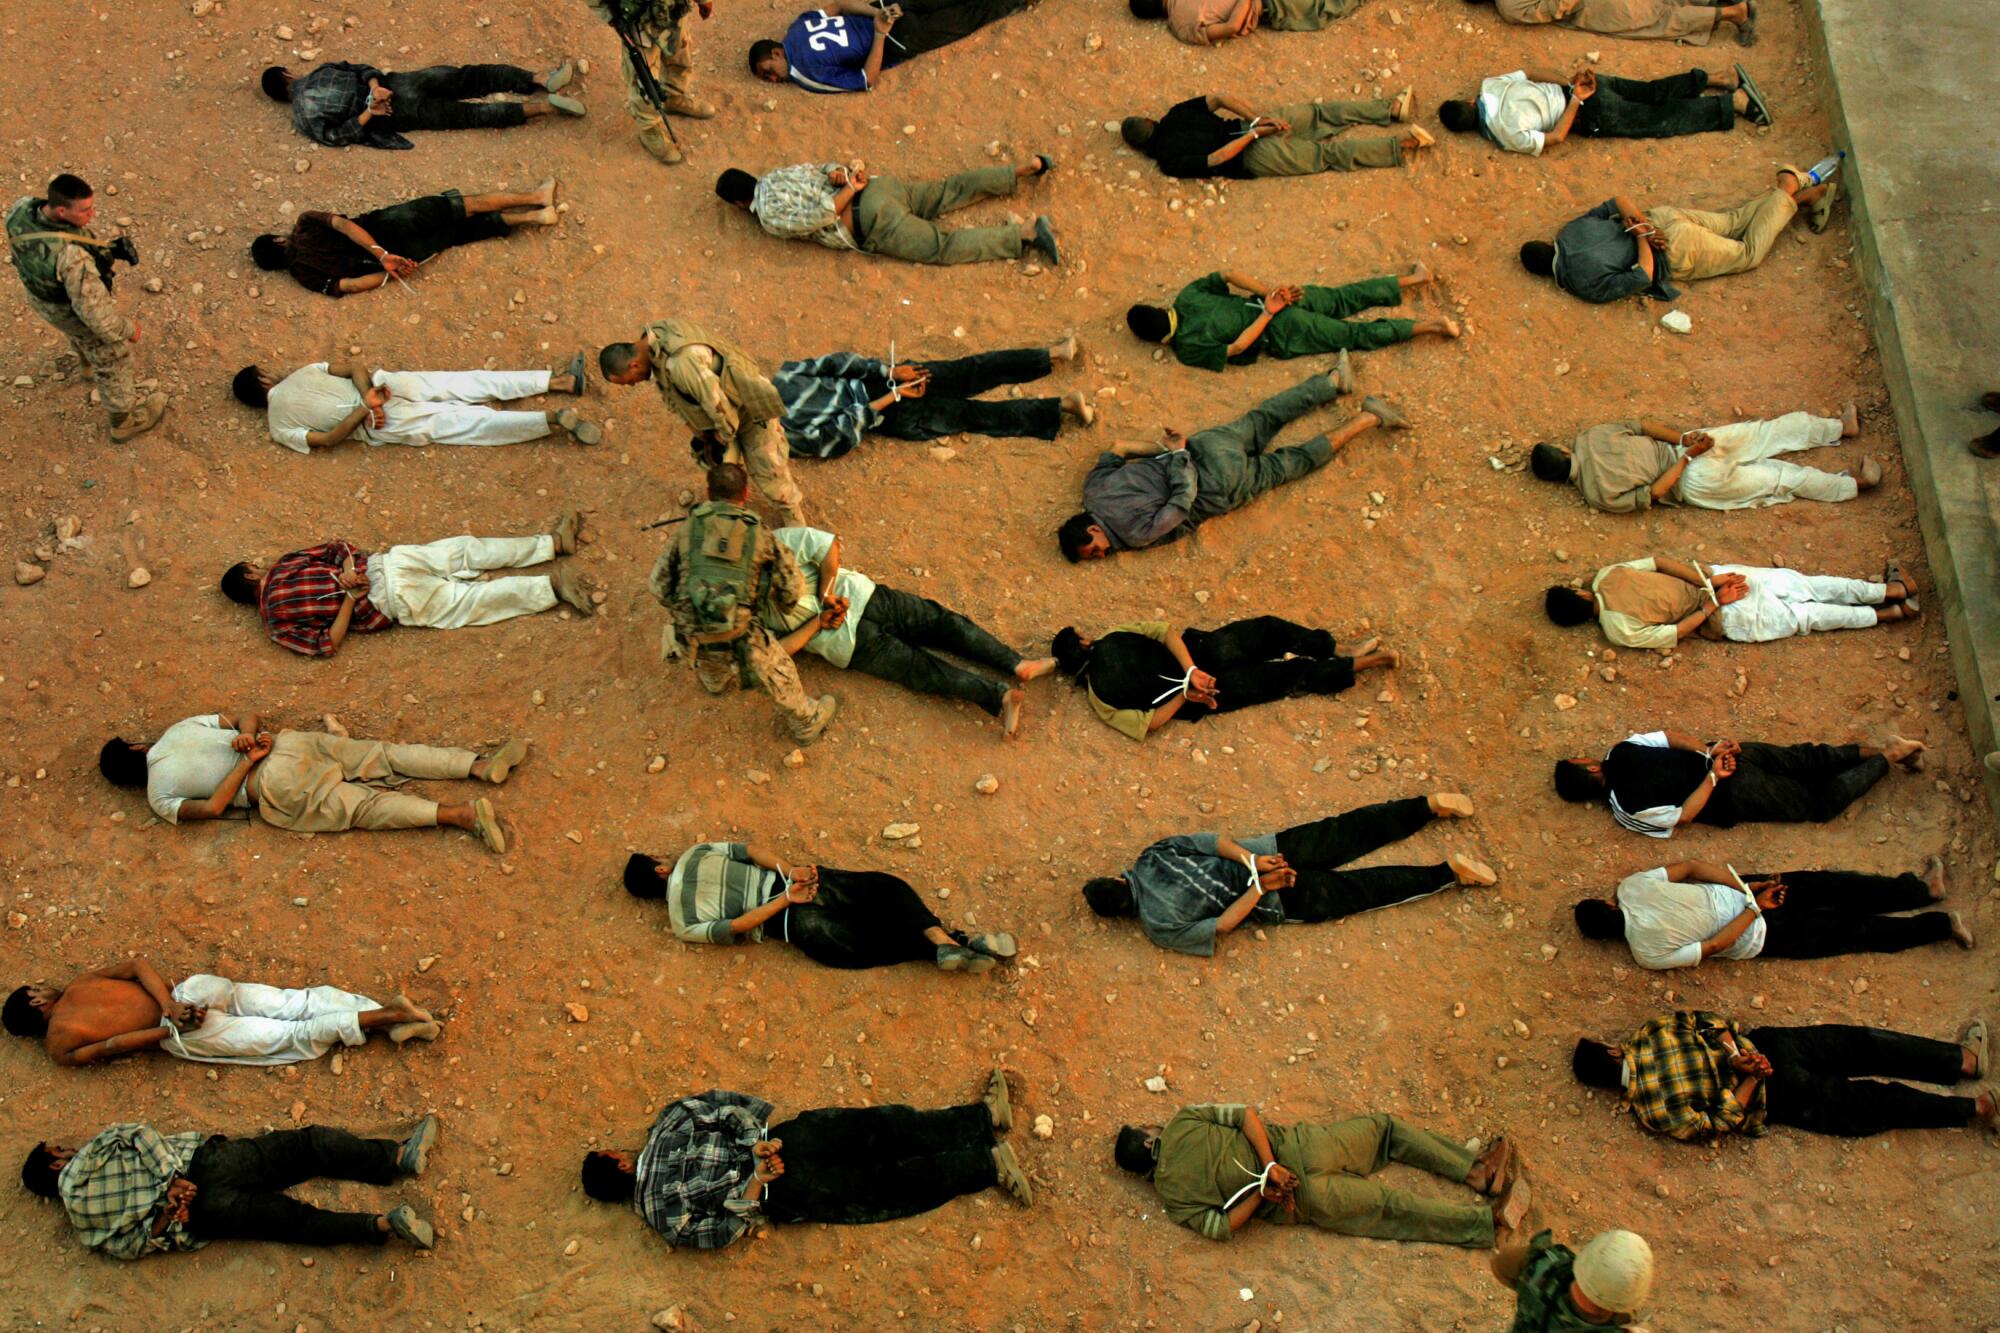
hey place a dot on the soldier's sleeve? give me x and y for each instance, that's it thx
(89, 297)
(666, 579)
(788, 581)
(701, 386)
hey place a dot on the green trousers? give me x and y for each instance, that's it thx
(1305, 15)
(895, 218)
(1318, 324)
(1310, 146)
(1332, 1161)
(1232, 464)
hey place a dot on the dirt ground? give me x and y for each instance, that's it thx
(1418, 537)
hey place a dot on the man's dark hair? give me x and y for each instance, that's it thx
(728, 481)
(1459, 117)
(20, 1016)
(121, 764)
(1108, 896)
(1594, 1064)
(1074, 535)
(614, 359)
(605, 1180)
(1538, 257)
(1567, 607)
(270, 252)
(1148, 323)
(67, 191)
(1134, 1153)
(276, 81)
(736, 186)
(238, 586)
(248, 387)
(1072, 658)
(1575, 783)
(1147, 9)
(762, 49)
(1599, 920)
(642, 877)
(1137, 131)
(1549, 463)
(40, 1172)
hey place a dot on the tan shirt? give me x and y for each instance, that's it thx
(1639, 607)
(1616, 465)
(711, 384)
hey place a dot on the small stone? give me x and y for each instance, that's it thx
(138, 578)
(1549, 953)
(796, 759)
(1758, 1001)
(1156, 1084)
(656, 764)
(1609, 673)
(1520, 1028)
(339, 1063)
(675, 1320)
(302, 165)
(1093, 43)
(1565, 702)
(570, 1249)
(24, 381)
(466, 1214)
(987, 784)
(537, 698)
(1676, 321)
(756, 777)
(575, 836)
(283, 33)
(298, 1113)
(25, 573)
(1861, 985)
(909, 129)
(300, 902)
(1592, 56)
(1660, 1190)
(1501, 1062)
(941, 453)
(577, 1013)
(427, 962)
(1045, 1127)
(155, 285)
(898, 832)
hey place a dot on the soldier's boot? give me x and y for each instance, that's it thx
(140, 419)
(694, 108)
(655, 141)
(828, 706)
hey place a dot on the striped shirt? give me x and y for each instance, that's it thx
(117, 1182)
(827, 402)
(1180, 886)
(714, 883)
(302, 595)
(796, 203)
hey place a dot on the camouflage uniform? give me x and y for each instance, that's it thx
(718, 389)
(767, 663)
(65, 289)
(659, 27)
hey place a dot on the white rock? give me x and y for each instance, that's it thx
(1156, 1084)
(987, 784)
(138, 578)
(24, 381)
(1045, 1127)
(283, 33)
(1676, 321)
(656, 764)
(898, 832)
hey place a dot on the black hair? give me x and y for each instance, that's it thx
(1567, 607)
(20, 1016)
(248, 387)
(1594, 1064)
(66, 191)
(276, 81)
(1108, 896)
(1137, 131)
(1599, 920)
(1134, 1153)
(270, 252)
(614, 359)
(1538, 257)
(40, 1172)
(1147, 9)
(238, 586)
(642, 877)
(1576, 783)
(736, 185)
(1074, 535)
(605, 1180)
(1458, 116)
(728, 481)
(1549, 463)
(1072, 658)
(121, 764)
(1148, 323)
(762, 49)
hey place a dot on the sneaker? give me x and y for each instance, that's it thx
(569, 106)
(1342, 374)
(1424, 138)
(1469, 871)
(1402, 105)
(579, 373)
(558, 78)
(1390, 416)
(999, 944)
(1012, 1178)
(570, 590)
(958, 958)
(140, 419)
(568, 528)
(828, 706)
(997, 1103)
(487, 824)
(1975, 1037)
(1045, 237)
(1746, 31)
(403, 1220)
(583, 432)
(415, 1154)
(505, 760)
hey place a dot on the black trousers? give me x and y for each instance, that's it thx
(856, 1165)
(439, 98)
(1316, 850)
(418, 229)
(1830, 912)
(1821, 1079)
(860, 918)
(1792, 784)
(1248, 661)
(1653, 108)
(891, 640)
(240, 1186)
(951, 404)
(928, 24)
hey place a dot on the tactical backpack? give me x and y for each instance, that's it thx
(722, 583)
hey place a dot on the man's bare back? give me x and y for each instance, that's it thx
(95, 1008)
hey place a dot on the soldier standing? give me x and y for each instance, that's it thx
(720, 575)
(67, 271)
(659, 29)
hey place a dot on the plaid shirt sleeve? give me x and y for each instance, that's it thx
(327, 106)
(302, 596)
(116, 1182)
(1680, 1079)
(796, 203)
(695, 1166)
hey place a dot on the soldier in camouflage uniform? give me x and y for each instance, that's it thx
(724, 397)
(740, 651)
(659, 28)
(67, 288)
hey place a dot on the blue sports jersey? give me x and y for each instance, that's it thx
(826, 51)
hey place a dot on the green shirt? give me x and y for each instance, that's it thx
(1541, 1293)
(1209, 318)
(1204, 1159)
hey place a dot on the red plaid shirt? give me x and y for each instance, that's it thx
(302, 595)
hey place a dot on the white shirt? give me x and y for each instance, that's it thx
(1518, 112)
(307, 400)
(188, 762)
(810, 546)
(1666, 923)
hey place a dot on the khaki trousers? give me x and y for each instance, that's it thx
(1305, 15)
(1701, 244)
(1310, 146)
(670, 58)
(896, 218)
(110, 363)
(1331, 1161)
(316, 783)
(772, 670)
(761, 449)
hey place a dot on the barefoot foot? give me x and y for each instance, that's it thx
(1010, 712)
(1362, 649)
(1850, 422)
(1905, 753)
(1034, 668)
(1870, 475)
(1079, 407)
(547, 191)
(1065, 350)
(1961, 932)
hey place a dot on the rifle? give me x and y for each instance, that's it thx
(649, 87)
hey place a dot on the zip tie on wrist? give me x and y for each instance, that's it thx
(1256, 882)
(1263, 1179)
(1183, 685)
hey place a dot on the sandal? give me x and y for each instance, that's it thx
(1759, 110)
(576, 373)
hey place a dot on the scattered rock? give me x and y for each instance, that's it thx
(1565, 702)
(756, 777)
(1501, 1062)
(283, 33)
(154, 285)
(1156, 1084)
(427, 962)
(138, 578)
(1045, 1127)
(1660, 1190)
(25, 573)
(898, 832)
(1458, 1009)
(577, 1014)
(1757, 1001)
(1676, 321)
(570, 1249)
(673, 1319)
(796, 759)
(987, 784)
(656, 764)
(24, 381)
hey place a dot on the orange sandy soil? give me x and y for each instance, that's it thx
(1793, 1231)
